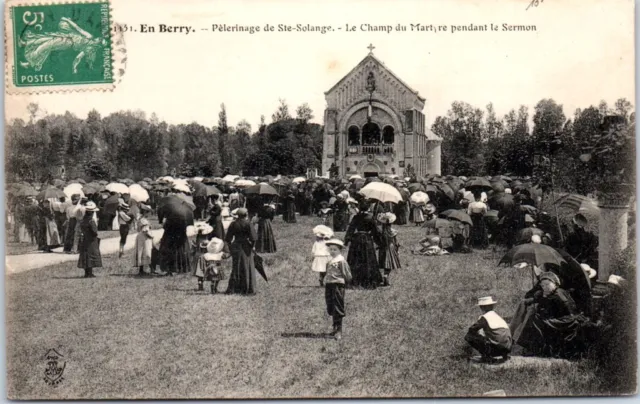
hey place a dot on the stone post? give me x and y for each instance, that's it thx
(612, 230)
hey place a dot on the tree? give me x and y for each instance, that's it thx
(622, 107)
(223, 134)
(462, 133)
(493, 127)
(304, 113)
(282, 113)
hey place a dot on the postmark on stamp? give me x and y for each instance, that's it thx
(59, 46)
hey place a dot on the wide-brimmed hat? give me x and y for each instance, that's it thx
(486, 301)
(507, 190)
(387, 217)
(91, 207)
(550, 276)
(580, 220)
(143, 222)
(215, 245)
(323, 231)
(336, 242)
(203, 228)
(344, 194)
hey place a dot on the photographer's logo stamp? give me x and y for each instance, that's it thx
(54, 368)
(60, 45)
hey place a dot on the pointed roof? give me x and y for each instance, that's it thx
(370, 56)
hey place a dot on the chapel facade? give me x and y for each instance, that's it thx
(374, 125)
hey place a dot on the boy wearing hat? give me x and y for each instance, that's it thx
(490, 335)
(337, 276)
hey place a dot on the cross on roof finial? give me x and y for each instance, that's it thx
(371, 48)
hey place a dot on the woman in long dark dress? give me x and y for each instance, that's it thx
(477, 210)
(388, 253)
(362, 236)
(266, 242)
(175, 249)
(289, 214)
(341, 213)
(89, 242)
(401, 211)
(241, 238)
(215, 221)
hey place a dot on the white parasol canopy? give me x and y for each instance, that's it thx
(138, 193)
(244, 183)
(230, 178)
(298, 180)
(419, 198)
(381, 192)
(117, 187)
(74, 188)
(355, 177)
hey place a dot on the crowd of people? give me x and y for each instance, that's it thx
(206, 222)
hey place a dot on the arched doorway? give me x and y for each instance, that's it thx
(370, 170)
(370, 134)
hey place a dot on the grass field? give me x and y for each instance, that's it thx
(129, 337)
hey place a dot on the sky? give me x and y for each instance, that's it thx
(581, 52)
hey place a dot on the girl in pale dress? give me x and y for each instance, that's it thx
(144, 246)
(209, 265)
(320, 251)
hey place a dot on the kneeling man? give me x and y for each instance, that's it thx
(490, 335)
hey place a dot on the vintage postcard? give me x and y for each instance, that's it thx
(319, 199)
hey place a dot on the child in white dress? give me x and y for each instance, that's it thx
(320, 251)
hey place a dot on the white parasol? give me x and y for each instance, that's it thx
(138, 193)
(298, 180)
(117, 187)
(355, 177)
(244, 183)
(381, 192)
(74, 188)
(230, 178)
(419, 198)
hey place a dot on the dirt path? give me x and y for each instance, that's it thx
(21, 263)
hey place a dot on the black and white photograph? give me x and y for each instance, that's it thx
(337, 199)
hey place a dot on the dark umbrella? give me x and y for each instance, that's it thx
(50, 193)
(501, 202)
(446, 190)
(111, 204)
(533, 254)
(26, 191)
(211, 190)
(477, 183)
(415, 187)
(497, 186)
(258, 263)
(174, 209)
(262, 189)
(529, 209)
(459, 215)
(199, 189)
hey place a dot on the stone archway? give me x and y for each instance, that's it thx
(395, 115)
(371, 168)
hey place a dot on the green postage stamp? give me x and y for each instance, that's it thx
(58, 46)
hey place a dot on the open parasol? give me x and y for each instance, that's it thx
(244, 183)
(533, 254)
(117, 187)
(261, 189)
(138, 193)
(72, 189)
(459, 215)
(478, 183)
(381, 192)
(419, 198)
(51, 193)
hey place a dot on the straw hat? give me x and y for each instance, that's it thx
(507, 190)
(322, 231)
(336, 242)
(91, 207)
(242, 212)
(486, 301)
(589, 271)
(214, 250)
